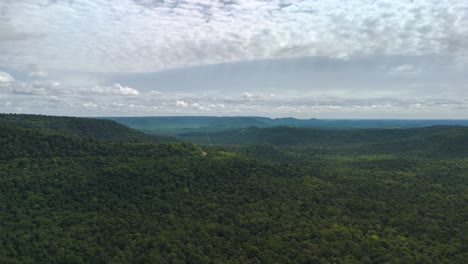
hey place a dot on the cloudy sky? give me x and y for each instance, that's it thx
(306, 59)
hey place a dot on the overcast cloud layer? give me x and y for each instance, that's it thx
(323, 58)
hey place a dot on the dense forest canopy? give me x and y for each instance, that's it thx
(78, 127)
(76, 190)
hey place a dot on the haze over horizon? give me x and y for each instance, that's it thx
(404, 59)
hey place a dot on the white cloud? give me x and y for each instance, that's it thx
(124, 90)
(44, 97)
(247, 95)
(251, 97)
(37, 88)
(142, 35)
(327, 58)
(181, 103)
(154, 92)
(197, 106)
(90, 105)
(116, 89)
(6, 79)
(38, 74)
(404, 69)
(54, 84)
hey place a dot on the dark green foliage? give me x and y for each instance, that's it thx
(81, 200)
(435, 140)
(78, 127)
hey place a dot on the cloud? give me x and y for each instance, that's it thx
(10, 34)
(123, 90)
(199, 107)
(247, 95)
(319, 58)
(116, 89)
(47, 97)
(37, 88)
(144, 35)
(38, 74)
(154, 92)
(6, 79)
(90, 105)
(181, 103)
(403, 69)
(35, 71)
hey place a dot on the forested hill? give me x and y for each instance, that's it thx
(17, 143)
(78, 127)
(172, 125)
(437, 140)
(73, 199)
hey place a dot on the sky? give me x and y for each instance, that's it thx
(397, 59)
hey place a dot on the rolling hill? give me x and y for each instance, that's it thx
(71, 196)
(172, 125)
(447, 140)
(78, 127)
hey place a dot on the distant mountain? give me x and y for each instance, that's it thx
(435, 139)
(446, 141)
(77, 127)
(283, 135)
(238, 121)
(172, 125)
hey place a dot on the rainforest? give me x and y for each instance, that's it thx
(82, 190)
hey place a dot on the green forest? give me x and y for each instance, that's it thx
(173, 125)
(82, 190)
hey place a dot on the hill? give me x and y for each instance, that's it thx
(207, 124)
(20, 143)
(77, 199)
(437, 140)
(78, 127)
(182, 124)
(173, 125)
